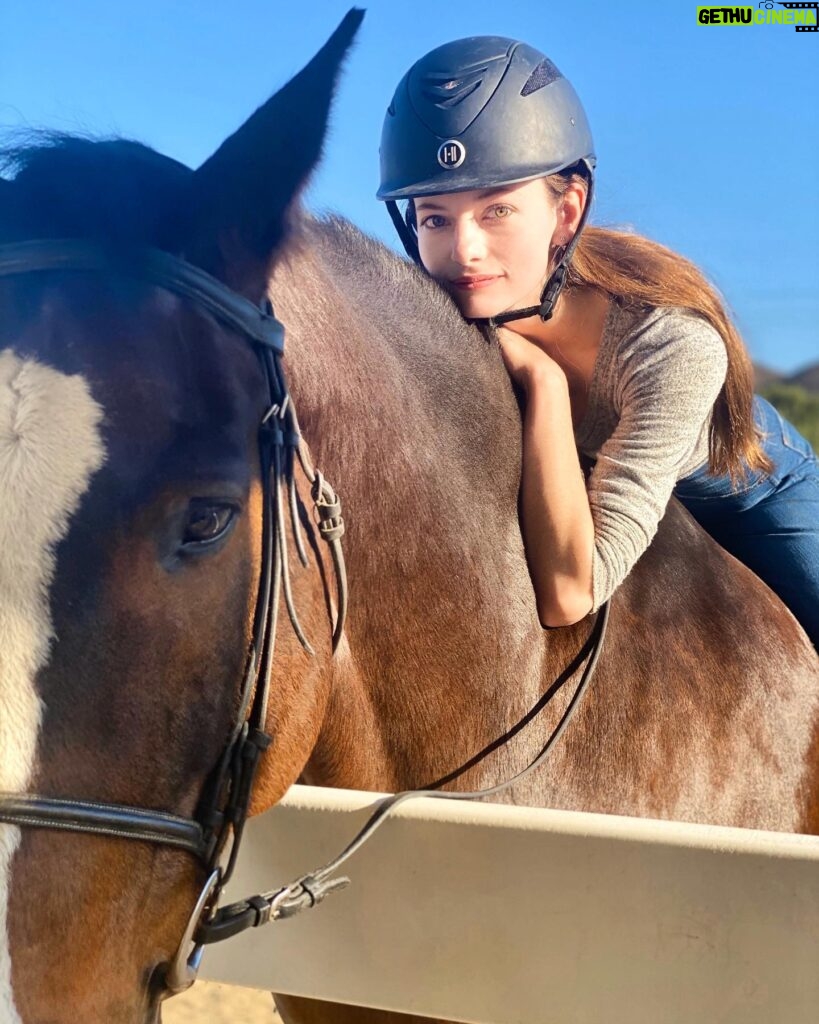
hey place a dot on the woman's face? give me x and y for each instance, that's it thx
(490, 248)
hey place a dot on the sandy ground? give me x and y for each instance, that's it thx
(208, 1003)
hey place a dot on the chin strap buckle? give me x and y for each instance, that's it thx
(551, 292)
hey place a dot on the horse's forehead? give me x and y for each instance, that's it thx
(124, 317)
(151, 357)
(50, 447)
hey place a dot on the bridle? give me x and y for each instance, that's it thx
(214, 835)
(223, 810)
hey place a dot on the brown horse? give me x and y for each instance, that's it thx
(129, 562)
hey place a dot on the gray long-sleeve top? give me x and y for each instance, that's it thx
(657, 374)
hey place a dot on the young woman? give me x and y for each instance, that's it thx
(621, 347)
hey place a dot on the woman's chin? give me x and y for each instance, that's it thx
(478, 307)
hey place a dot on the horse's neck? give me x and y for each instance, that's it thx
(444, 649)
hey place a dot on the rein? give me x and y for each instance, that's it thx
(310, 889)
(222, 813)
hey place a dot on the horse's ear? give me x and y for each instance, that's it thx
(241, 195)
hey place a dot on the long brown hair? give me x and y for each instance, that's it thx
(638, 271)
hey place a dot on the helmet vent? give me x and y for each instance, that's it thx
(544, 74)
(445, 92)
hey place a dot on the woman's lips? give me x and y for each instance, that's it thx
(471, 284)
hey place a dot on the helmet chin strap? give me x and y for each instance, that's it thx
(405, 232)
(551, 290)
(546, 307)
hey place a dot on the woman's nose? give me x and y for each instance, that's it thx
(468, 243)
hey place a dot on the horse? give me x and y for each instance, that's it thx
(132, 557)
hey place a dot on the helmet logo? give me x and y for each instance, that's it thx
(451, 154)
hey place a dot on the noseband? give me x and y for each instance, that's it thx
(222, 812)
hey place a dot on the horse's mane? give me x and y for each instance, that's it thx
(119, 190)
(67, 186)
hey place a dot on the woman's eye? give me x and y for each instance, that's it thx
(207, 523)
(434, 220)
(500, 211)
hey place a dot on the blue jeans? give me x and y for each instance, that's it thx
(771, 523)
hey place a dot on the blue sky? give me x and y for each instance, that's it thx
(706, 136)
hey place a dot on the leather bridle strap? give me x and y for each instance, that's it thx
(103, 820)
(160, 268)
(223, 810)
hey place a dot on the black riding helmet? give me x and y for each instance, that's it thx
(480, 113)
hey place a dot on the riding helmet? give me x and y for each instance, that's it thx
(478, 113)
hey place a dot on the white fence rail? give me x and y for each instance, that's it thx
(507, 915)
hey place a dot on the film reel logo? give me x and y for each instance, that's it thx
(768, 6)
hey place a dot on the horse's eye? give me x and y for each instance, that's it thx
(207, 523)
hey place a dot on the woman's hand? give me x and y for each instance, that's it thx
(526, 362)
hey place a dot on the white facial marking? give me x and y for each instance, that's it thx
(50, 446)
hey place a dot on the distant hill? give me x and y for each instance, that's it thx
(807, 378)
(764, 377)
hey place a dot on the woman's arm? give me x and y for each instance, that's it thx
(582, 539)
(557, 527)
(669, 370)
